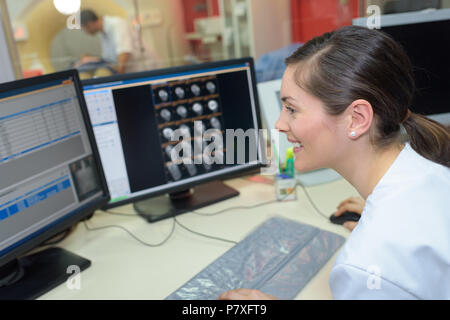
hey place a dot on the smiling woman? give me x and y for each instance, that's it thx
(346, 95)
(332, 71)
(307, 125)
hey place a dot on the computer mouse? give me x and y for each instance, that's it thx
(344, 217)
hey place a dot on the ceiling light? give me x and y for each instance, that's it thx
(67, 6)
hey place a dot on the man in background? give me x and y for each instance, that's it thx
(121, 46)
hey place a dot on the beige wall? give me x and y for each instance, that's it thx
(269, 36)
(167, 38)
(43, 23)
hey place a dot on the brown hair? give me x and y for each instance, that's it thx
(358, 63)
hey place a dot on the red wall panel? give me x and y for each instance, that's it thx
(194, 9)
(312, 18)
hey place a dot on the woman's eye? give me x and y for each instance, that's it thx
(289, 109)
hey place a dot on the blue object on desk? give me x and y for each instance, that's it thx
(279, 258)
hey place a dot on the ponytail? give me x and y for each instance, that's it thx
(428, 138)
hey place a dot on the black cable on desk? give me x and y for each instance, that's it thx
(57, 238)
(131, 234)
(234, 208)
(202, 214)
(202, 234)
(120, 213)
(173, 228)
(312, 202)
(239, 207)
(265, 203)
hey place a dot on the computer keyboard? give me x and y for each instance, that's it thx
(279, 257)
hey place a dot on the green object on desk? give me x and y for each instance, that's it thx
(290, 153)
(289, 168)
(118, 199)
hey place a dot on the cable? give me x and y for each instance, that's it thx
(131, 234)
(121, 214)
(235, 208)
(202, 234)
(204, 214)
(239, 207)
(312, 202)
(57, 238)
(175, 222)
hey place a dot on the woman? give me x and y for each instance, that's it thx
(345, 98)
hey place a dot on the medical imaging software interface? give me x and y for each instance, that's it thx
(46, 165)
(134, 122)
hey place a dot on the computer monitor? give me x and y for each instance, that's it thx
(51, 178)
(424, 35)
(135, 119)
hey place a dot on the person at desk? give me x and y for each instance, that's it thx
(346, 95)
(121, 46)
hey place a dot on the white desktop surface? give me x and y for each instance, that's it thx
(122, 268)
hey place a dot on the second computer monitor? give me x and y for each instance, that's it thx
(424, 36)
(143, 121)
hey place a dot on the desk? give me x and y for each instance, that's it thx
(122, 268)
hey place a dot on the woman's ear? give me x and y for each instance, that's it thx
(360, 118)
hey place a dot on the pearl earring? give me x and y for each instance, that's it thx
(353, 134)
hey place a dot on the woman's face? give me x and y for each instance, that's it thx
(312, 131)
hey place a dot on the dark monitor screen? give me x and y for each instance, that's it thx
(428, 49)
(49, 167)
(134, 117)
(424, 36)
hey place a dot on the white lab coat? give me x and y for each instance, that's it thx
(118, 37)
(400, 248)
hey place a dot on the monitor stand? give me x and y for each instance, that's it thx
(167, 206)
(31, 276)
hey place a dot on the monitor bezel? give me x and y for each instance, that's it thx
(414, 17)
(74, 216)
(180, 69)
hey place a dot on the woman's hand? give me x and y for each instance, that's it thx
(245, 294)
(355, 204)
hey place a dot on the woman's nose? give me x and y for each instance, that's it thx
(281, 125)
